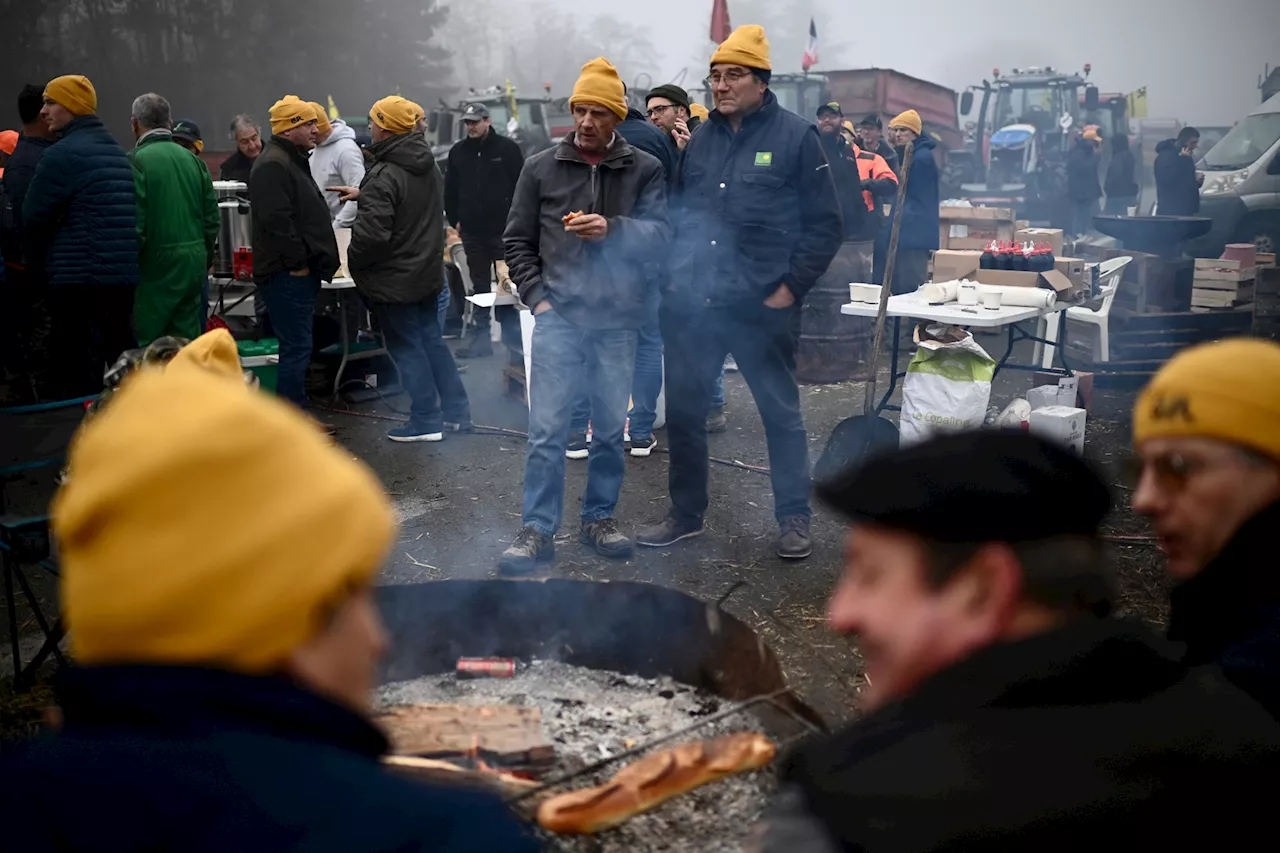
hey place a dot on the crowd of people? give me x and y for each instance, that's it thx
(222, 694)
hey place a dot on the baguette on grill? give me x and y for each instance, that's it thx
(654, 779)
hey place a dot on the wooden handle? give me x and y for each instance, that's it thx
(868, 403)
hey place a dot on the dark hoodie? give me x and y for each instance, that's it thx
(397, 240)
(844, 171)
(1229, 614)
(1177, 193)
(1082, 173)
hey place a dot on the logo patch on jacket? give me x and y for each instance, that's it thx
(764, 158)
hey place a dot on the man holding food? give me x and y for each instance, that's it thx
(1004, 709)
(587, 215)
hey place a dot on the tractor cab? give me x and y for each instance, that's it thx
(800, 93)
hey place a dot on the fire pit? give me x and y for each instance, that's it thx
(610, 672)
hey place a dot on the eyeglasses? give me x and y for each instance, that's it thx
(1172, 470)
(731, 77)
(657, 111)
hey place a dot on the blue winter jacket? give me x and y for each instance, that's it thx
(79, 210)
(920, 208)
(755, 209)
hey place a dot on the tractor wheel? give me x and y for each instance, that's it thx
(953, 178)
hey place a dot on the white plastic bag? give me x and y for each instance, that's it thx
(948, 384)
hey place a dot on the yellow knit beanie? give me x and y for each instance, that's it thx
(1229, 390)
(289, 112)
(747, 46)
(395, 114)
(206, 523)
(75, 92)
(322, 118)
(699, 112)
(600, 84)
(910, 120)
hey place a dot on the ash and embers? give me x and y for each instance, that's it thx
(588, 714)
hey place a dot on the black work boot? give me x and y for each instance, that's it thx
(669, 531)
(527, 550)
(606, 538)
(793, 542)
(478, 347)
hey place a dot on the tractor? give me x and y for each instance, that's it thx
(1025, 127)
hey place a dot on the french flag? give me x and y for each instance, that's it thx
(811, 49)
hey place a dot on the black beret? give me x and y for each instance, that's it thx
(671, 92)
(977, 486)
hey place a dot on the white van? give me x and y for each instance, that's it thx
(1241, 191)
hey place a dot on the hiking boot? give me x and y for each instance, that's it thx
(604, 536)
(716, 421)
(643, 448)
(409, 433)
(478, 347)
(669, 531)
(577, 448)
(794, 542)
(527, 549)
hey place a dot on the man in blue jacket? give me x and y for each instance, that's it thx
(78, 217)
(919, 234)
(757, 223)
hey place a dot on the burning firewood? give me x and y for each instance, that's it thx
(654, 779)
(442, 771)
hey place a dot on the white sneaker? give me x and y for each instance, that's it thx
(644, 449)
(730, 365)
(406, 434)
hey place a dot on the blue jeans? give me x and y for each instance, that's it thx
(764, 345)
(427, 369)
(291, 302)
(565, 359)
(646, 385)
(717, 390)
(442, 306)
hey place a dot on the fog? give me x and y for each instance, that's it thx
(1200, 61)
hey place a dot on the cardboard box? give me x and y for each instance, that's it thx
(1063, 425)
(962, 228)
(1084, 386)
(966, 214)
(1052, 236)
(950, 264)
(1053, 280)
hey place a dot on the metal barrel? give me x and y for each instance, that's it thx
(835, 347)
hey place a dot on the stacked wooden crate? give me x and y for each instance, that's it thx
(1221, 283)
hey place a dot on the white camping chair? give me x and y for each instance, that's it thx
(1110, 274)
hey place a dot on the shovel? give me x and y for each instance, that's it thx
(856, 438)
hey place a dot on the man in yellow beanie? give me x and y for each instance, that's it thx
(1207, 435)
(337, 161)
(79, 223)
(294, 247)
(588, 216)
(919, 233)
(397, 260)
(223, 685)
(758, 224)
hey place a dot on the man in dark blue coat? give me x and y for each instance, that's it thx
(78, 217)
(757, 223)
(919, 234)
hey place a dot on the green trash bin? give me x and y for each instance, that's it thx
(263, 358)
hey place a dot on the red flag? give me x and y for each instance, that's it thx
(720, 26)
(811, 49)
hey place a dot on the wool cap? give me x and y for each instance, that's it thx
(600, 84)
(322, 117)
(289, 112)
(207, 523)
(910, 120)
(395, 114)
(671, 92)
(1229, 390)
(75, 92)
(747, 46)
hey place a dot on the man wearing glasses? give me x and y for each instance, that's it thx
(757, 223)
(1207, 433)
(668, 107)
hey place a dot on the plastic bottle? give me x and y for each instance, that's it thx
(1049, 260)
(1003, 258)
(1019, 262)
(988, 259)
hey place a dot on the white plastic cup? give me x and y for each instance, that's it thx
(967, 294)
(991, 299)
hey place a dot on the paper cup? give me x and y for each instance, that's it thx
(967, 294)
(1132, 211)
(991, 299)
